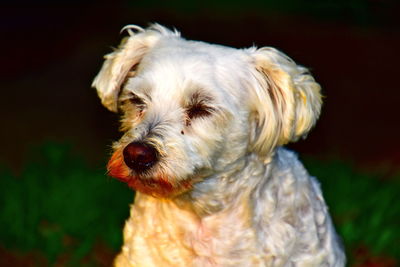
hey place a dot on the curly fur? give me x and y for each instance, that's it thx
(223, 191)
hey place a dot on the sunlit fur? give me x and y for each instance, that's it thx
(223, 191)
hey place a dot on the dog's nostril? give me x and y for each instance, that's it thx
(139, 156)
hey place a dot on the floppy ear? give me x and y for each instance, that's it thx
(120, 64)
(286, 100)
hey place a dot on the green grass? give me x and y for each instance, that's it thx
(60, 205)
(365, 207)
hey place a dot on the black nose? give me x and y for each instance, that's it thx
(139, 156)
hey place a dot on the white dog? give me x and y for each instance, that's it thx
(203, 128)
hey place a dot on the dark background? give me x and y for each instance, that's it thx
(51, 53)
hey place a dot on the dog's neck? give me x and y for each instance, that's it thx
(224, 189)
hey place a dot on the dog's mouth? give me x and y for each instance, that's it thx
(159, 187)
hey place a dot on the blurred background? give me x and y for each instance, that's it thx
(57, 206)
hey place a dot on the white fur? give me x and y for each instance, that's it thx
(251, 202)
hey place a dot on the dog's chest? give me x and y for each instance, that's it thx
(161, 234)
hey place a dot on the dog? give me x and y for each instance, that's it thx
(203, 129)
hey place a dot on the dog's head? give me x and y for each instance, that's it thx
(191, 109)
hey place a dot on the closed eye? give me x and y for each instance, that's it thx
(198, 110)
(137, 101)
(198, 107)
(131, 103)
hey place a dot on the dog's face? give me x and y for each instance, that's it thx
(191, 110)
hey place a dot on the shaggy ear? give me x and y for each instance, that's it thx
(120, 64)
(286, 99)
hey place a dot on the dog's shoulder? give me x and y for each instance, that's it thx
(285, 160)
(287, 170)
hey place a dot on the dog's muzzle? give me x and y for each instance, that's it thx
(132, 165)
(139, 156)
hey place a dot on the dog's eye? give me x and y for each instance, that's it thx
(137, 101)
(198, 110)
(132, 104)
